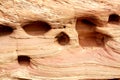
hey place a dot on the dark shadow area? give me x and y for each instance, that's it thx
(5, 30)
(63, 38)
(24, 60)
(23, 79)
(114, 18)
(37, 28)
(88, 22)
(114, 79)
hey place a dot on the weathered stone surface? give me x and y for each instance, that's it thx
(59, 39)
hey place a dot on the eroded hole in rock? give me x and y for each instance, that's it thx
(5, 30)
(64, 26)
(24, 60)
(87, 35)
(37, 28)
(63, 38)
(114, 18)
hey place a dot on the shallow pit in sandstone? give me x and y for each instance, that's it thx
(23, 60)
(63, 38)
(114, 18)
(5, 30)
(88, 37)
(36, 28)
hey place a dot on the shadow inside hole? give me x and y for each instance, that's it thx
(63, 38)
(24, 60)
(114, 18)
(5, 30)
(88, 22)
(22, 79)
(37, 28)
(114, 79)
(64, 26)
(87, 35)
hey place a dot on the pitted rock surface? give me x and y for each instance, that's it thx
(59, 39)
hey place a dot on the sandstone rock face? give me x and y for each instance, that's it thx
(59, 39)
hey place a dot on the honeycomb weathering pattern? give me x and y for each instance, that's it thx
(59, 39)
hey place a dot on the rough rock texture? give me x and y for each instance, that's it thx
(59, 39)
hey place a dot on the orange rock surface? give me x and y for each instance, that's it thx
(59, 39)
